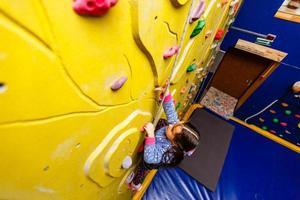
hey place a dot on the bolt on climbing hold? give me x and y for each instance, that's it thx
(170, 52)
(198, 11)
(118, 83)
(191, 68)
(200, 25)
(93, 7)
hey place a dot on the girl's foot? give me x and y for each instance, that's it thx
(135, 188)
(130, 177)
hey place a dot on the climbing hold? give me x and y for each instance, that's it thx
(208, 34)
(178, 105)
(272, 131)
(219, 35)
(283, 124)
(118, 83)
(198, 11)
(261, 119)
(142, 129)
(93, 7)
(214, 45)
(127, 162)
(264, 128)
(224, 2)
(299, 125)
(287, 132)
(191, 68)
(272, 111)
(199, 70)
(297, 116)
(275, 120)
(183, 90)
(288, 112)
(233, 7)
(284, 104)
(169, 53)
(179, 2)
(200, 25)
(230, 21)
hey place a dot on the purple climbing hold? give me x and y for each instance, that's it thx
(119, 83)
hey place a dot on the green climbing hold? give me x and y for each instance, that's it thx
(178, 105)
(191, 68)
(264, 128)
(288, 112)
(275, 120)
(200, 25)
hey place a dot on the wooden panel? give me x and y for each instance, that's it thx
(287, 16)
(260, 50)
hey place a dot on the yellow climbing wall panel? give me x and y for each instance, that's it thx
(64, 132)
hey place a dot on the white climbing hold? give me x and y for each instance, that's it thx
(127, 162)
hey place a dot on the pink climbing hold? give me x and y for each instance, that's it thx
(118, 83)
(283, 124)
(93, 7)
(173, 50)
(198, 11)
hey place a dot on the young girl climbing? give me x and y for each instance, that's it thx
(166, 145)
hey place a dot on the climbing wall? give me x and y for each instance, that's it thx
(77, 82)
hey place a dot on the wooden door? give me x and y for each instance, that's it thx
(239, 71)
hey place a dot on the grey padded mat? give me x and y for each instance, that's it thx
(206, 163)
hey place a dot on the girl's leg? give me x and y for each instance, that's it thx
(140, 174)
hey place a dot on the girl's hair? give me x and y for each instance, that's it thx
(185, 141)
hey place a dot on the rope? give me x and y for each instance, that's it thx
(268, 106)
(159, 110)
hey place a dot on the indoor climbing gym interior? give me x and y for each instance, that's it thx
(150, 100)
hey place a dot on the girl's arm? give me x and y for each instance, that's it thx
(169, 109)
(152, 152)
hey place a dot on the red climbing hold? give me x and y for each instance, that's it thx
(169, 53)
(297, 116)
(219, 35)
(93, 7)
